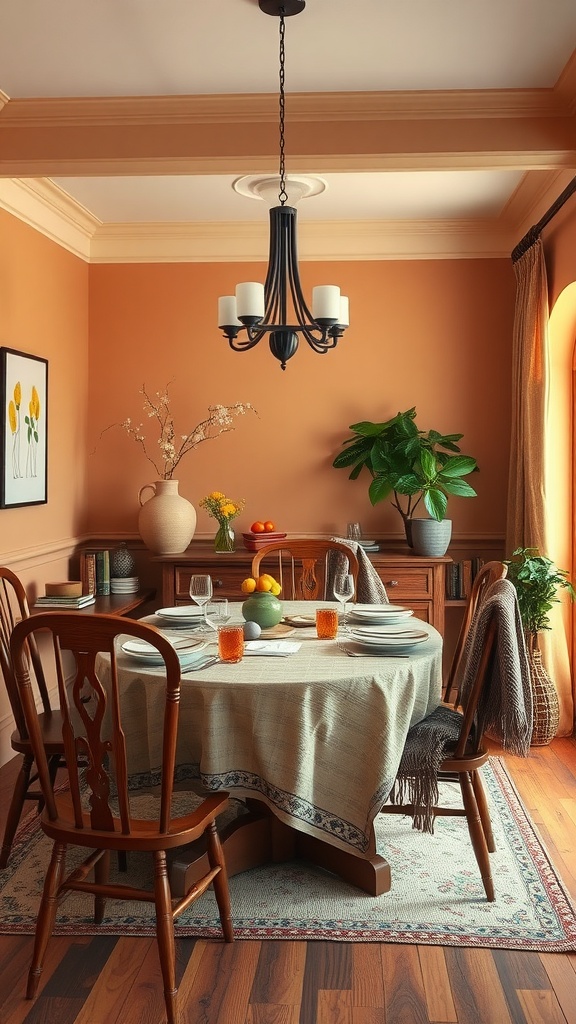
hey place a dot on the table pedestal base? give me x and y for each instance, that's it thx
(258, 837)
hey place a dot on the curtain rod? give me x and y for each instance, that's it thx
(530, 237)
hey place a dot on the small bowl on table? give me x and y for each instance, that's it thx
(68, 588)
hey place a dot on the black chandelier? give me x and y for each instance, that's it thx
(257, 310)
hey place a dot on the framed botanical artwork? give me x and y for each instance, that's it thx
(24, 429)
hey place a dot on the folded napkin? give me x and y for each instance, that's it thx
(275, 648)
(300, 620)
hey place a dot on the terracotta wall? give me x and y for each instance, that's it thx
(44, 303)
(434, 334)
(44, 311)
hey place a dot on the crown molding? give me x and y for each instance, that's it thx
(43, 206)
(49, 210)
(535, 194)
(325, 241)
(263, 107)
(565, 88)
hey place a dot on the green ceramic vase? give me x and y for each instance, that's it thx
(263, 608)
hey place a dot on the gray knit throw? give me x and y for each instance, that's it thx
(369, 589)
(427, 744)
(504, 707)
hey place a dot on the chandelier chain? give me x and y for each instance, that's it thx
(282, 195)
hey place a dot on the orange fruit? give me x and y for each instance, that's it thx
(248, 586)
(263, 585)
(257, 527)
(269, 526)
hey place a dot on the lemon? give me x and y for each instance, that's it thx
(248, 586)
(263, 585)
(275, 589)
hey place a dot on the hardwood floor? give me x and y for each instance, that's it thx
(112, 980)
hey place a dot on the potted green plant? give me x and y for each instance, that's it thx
(408, 465)
(537, 581)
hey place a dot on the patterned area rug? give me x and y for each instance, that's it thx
(437, 896)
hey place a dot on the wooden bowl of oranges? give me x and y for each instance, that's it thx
(262, 532)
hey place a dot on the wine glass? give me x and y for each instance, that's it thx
(343, 589)
(217, 612)
(201, 592)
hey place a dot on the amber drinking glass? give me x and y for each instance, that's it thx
(326, 623)
(231, 643)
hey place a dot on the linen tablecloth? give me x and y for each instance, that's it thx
(316, 735)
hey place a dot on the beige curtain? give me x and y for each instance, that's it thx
(529, 521)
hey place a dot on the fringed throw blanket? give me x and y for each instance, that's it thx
(427, 744)
(504, 707)
(370, 589)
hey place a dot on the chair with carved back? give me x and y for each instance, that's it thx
(13, 608)
(448, 745)
(486, 575)
(98, 812)
(301, 566)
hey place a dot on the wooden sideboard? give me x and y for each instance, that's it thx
(410, 580)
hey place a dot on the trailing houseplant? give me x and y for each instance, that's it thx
(408, 465)
(537, 581)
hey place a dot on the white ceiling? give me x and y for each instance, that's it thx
(146, 48)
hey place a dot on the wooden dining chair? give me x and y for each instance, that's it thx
(88, 814)
(13, 608)
(448, 745)
(303, 566)
(486, 575)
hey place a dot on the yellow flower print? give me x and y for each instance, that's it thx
(35, 404)
(17, 394)
(12, 417)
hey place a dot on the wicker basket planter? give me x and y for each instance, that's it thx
(544, 695)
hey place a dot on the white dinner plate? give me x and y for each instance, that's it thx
(390, 650)
(380, 609)
(390, 629)
(387, 642)
(380, 614)
(181, 611)
(185, 648)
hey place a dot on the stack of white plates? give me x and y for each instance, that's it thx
(181, 616)
(187, 649)
(378, 614)
(385, 638)
(125, 585)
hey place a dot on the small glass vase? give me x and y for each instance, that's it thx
(224, 539)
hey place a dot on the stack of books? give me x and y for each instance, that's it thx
(95, 570)
(50, 601)
(460, 577)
